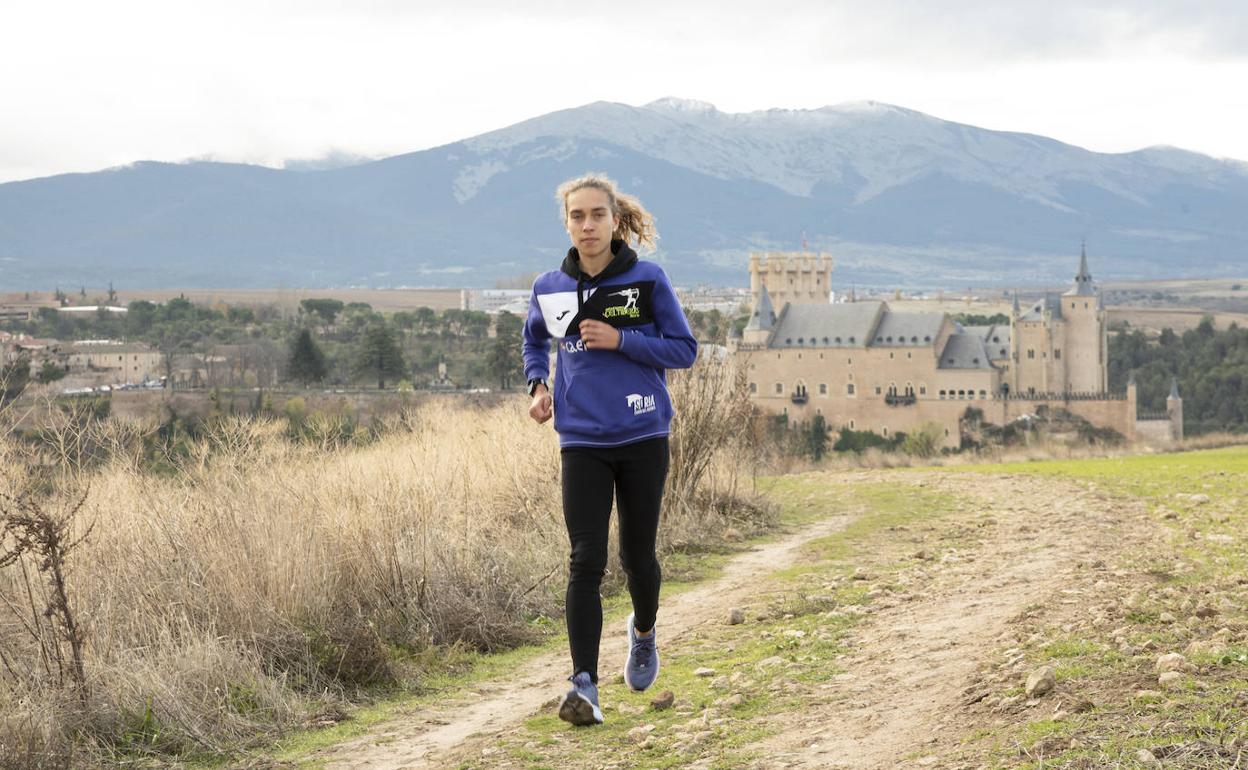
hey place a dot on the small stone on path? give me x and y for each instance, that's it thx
(1040, 681)
(704, 672)
(1171, 680)
(736, 616)
(664, 700)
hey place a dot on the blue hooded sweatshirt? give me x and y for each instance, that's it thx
(608, 397)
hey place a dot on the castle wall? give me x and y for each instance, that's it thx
(1154, 432)
(827, 374)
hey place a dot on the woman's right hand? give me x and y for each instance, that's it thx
(541, 410)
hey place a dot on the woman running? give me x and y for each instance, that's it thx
(618, 326)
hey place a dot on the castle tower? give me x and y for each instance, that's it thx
(1080, 360)
(799, 277)
(1174, 408)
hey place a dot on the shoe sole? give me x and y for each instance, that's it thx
(579, 710)
(656, 663)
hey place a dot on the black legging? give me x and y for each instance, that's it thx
(635, 473)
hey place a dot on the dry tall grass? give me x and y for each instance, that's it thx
(267, 580)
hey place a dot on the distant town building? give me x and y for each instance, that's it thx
(84, 309)
(493, 301)
(122, 361)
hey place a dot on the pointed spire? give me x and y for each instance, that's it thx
(1017, 307)
(1131, 379)
(1083, 279)
(763, 316)
(1174, 388)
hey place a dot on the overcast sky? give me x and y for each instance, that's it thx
(85, 85)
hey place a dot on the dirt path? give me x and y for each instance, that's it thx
(916, 662)
(917, 666)
(494, 706)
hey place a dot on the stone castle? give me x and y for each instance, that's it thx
(865, 366)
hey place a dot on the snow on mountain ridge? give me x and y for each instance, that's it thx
(877, 145)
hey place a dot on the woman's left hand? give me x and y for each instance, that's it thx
(599, 336)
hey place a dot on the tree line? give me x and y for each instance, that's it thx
(1211, 366)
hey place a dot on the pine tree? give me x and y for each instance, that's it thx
(380, 355)
(306, 363)
(504, 356)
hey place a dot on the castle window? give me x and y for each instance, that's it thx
(983, 394)
(970, 394)
(838, 340)
(961, 394)
(849, 389)
(885, 431)
(1085, 306)
(877, 390)
(1057, 353)
(927, 338)
(1044, 354)
(799, 355)
(922, 390)
(825, 340)
(788, 340)
(996, 339)
(851, 424)
(942, 395)
(851, 340)
(1031, 353)
(890, 339)
(823, 388)
(879, 339)
(908, 355)
(914, 339)
(975, 360)
(890, 354)
(753, 387)
(779, 388)
(801, 340)
(849, 361)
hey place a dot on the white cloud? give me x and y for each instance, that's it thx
(90, 85)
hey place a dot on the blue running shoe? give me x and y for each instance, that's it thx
(642, 667)
(580, 705)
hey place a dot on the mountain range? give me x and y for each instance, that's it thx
(898, 197)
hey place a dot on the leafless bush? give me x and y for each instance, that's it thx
(31, 533)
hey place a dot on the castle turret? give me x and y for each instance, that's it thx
(762, 320)
(1080, 360)
(1174, 408)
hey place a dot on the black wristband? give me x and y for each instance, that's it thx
(533, 383)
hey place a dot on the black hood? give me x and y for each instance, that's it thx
(624, 258)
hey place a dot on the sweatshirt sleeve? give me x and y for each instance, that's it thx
(536, 342)
(674, 347)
